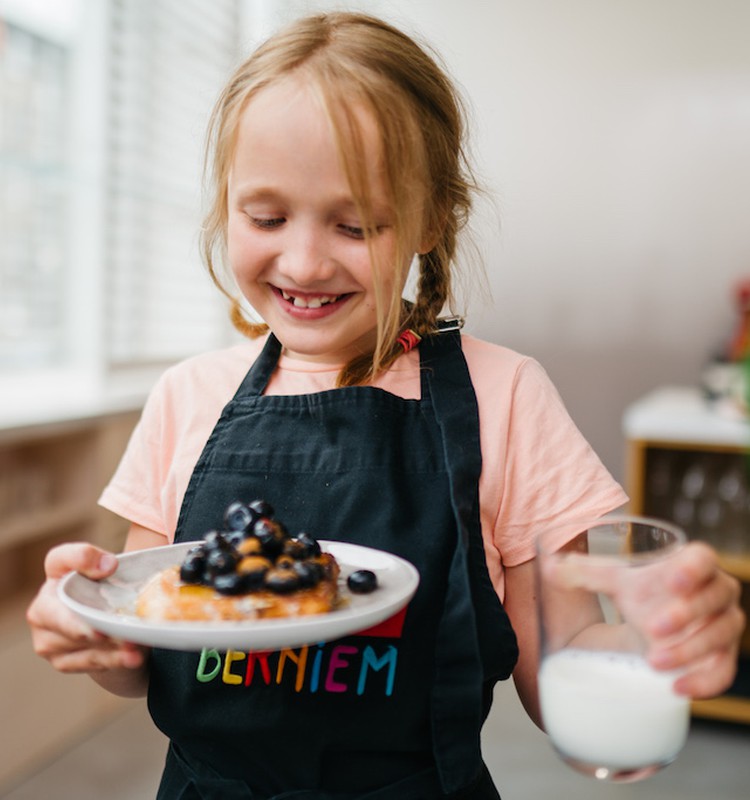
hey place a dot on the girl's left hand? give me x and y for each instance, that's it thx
(698, 632)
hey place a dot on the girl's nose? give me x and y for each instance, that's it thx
(305, 258)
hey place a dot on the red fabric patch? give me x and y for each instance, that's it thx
(389, 628)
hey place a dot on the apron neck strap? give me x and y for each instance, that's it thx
(431, 349)
(258, 376)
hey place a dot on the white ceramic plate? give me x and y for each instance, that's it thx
(107, 605)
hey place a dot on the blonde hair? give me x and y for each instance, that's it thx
(357, 61)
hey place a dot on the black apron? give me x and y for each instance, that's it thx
(392, 713)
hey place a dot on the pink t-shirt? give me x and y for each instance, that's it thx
(537, 468)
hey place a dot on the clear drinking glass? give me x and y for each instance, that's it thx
(607, 712)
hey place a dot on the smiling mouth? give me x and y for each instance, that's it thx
(310, 301)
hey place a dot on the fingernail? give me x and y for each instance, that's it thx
(659, 661)
(107, 562)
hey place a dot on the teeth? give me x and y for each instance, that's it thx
(312, 302)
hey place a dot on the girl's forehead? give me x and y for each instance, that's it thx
(293, 113)
(277, 102)
(303, 95)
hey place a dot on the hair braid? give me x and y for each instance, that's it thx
(433, 292)
(241, 323)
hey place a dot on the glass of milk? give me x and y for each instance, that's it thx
(607, 712)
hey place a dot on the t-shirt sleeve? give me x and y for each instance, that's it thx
(134, 490)
(550, 472)
(149, 484)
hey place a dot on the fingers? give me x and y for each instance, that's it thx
(718, 634)
(686, 609)
(694, 566)
(710, 679)
(85, 558)
(712, 592)
(700, 630)
(58, 635)
(72, 646)
(110, 655)
(579, 571)
(47, 613)
(688, 570)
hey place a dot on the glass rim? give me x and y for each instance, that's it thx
(575, 527)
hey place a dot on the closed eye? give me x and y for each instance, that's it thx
(267, 224)
(353, 231)
(359, 233)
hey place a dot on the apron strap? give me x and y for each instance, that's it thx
(456, 703)
(257, 378)
(465, 665)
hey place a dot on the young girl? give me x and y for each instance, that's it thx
(338, 158)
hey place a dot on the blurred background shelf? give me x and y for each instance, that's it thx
(51, 475)
(689, 463)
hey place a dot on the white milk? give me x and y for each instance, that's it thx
(611, 709)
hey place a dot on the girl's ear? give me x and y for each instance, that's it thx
(428, 242)
(426, 245)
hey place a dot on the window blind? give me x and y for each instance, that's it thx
(168, 60)
(34, 175)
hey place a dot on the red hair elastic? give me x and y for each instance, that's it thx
(409, 340)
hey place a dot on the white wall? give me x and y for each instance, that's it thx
(615, 135)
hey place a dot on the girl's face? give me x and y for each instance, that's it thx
(295, 240)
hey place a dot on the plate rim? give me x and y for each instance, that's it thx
(185, 634)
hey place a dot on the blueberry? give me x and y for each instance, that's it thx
(234, 538)
(264, 528)
(220, 562)
(261, 508)
(296, 549)
(254, 569)
(310, 573)
(254, 565)
(239, 517)
(231, 583)
(216, 540)
(193, 569)
(284, 562)
(363, 581)
(271, 535)
(310, 543)
(282, 581)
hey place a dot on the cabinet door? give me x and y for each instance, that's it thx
(705, 492)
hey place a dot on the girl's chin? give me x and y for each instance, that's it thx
(323, 350)
(323, 356)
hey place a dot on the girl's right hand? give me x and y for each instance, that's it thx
(68, 643)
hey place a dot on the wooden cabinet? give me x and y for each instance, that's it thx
(50, 478)
(689, 463)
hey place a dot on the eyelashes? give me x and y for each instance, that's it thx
(274, 223)
(267, 224)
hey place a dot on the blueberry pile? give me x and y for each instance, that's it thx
(254, 551)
